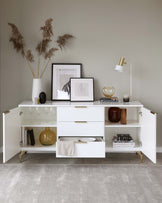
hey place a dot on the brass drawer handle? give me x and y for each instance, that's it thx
(80, 107)
(80, 121)
(80, 142)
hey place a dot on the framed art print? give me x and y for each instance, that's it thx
(61, 74)
(82, 89)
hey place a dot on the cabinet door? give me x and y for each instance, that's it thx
(148, 134)
(11, 134)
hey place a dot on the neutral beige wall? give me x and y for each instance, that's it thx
(105, 30)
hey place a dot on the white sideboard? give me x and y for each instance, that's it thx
(79, 119)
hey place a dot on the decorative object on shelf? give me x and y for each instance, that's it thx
(108, 92)
(47, 137)
(36, 89)
(119, 68)
(125, 98)
(61, 74)
(123, 116)
(42, 98)
(82, 89)
(112, 99)
(114, 114)
(123, 140)
(36, 100)
(42, 49)
(30, 137)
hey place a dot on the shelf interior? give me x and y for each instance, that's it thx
(110, 148)
(35, 117)
(38, 123)
(130, 123)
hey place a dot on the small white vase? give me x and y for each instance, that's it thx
(37, 88)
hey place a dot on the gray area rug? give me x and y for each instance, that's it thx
(51, 183)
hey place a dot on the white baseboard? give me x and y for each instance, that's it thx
(159, 149)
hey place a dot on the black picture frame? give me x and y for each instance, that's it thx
(57, 88)
(82, 98)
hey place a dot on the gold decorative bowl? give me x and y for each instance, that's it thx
(108, 91)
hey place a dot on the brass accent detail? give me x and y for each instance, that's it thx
(21, 154)
(80, 107)
(80, 121)
(153, 112)
(81, 142)
(6, 112)
(122, 61)
(141, 155)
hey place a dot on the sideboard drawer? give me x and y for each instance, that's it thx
(80, 128)
(87, 150)
(80, 113)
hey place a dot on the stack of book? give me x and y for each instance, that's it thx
(123, 140)
(112, 99)
(28, 137)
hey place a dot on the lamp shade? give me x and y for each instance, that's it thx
(119, 68)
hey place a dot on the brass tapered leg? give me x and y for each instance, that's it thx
(141, 155)
(21, 154)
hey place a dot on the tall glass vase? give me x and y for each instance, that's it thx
(37, 88)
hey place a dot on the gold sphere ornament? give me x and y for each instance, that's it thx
(108, 91)
(47, 137)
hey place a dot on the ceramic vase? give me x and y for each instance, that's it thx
(47, 137)
(114, 114)
(37, 88)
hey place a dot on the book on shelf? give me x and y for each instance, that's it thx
(112, 99)
(27, 137)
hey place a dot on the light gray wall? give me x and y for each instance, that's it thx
(105, 30)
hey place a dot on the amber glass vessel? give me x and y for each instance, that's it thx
(123, 116)
(47, 137)
(114, 114)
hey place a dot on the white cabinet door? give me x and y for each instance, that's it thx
(11, 134)
(148, 134)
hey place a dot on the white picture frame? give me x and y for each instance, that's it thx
(82, 89)
(61, 74)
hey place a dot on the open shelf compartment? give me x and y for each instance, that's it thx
(38, 147)
(133, 132)
(132, 118)
(38, 117)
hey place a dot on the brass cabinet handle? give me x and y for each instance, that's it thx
(80, 107)
(80, 121)
(6, 112)
(153, 112)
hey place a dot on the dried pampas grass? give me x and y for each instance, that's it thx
(50, 53)
(29, 56)
(62, 40)
(43, 45)
(17, 39)
(47, 32)
(47, 29)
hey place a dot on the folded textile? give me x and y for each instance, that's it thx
(65, 148)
